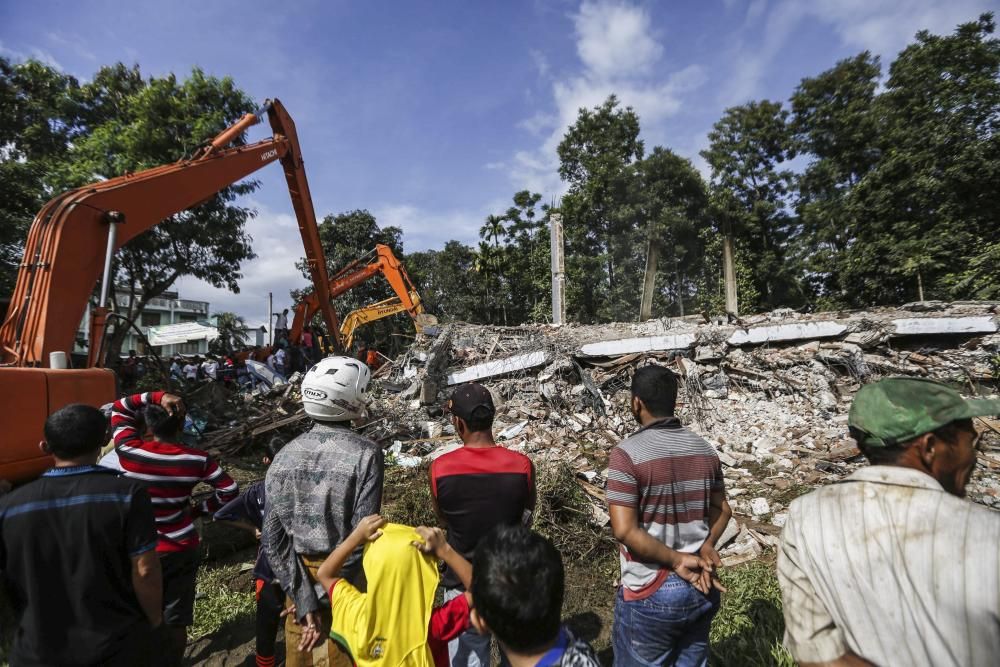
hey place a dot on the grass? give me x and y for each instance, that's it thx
(225, 595)
(748, 629)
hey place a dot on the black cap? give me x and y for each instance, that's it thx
(471, 401)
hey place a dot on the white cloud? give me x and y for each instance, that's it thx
(541, 62)
(33, 52)
(615, 39)
(71, 42)
(424, 228)
(886, 26)
(278, 246)
(883, 27)
(619, 54)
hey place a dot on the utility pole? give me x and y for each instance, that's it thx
(270, 316)
(729, 269)
(558, 270)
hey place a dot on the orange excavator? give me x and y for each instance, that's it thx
(380, 260)
(70, 245)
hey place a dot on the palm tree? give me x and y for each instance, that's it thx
(494, 230)
(233, 332)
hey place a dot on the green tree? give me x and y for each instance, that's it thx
(835, 123)
(603, 248)
(448, 282)
(69, 134)
(493, 263)
(129, 124)
(528, 261)
(37, 124)
(233, 334)
(671, 200)
(749, 190)
(349, 239)
(929, 208)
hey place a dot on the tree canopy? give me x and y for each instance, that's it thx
(64, 134)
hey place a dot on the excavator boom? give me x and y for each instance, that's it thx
(352, 275)
(71, 241)
(378, 311)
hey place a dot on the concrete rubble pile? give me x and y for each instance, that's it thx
(255, 418)
(771, 392)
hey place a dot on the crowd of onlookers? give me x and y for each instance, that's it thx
(889, 566)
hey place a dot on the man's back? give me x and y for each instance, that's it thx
(478, 488)
(66, 543)
(668, 474)
(170, 472)
(321, 482)
(893, 568)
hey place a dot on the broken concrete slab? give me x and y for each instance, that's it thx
(786, 332)
(614, 348)
(923, 326)
(518, 362)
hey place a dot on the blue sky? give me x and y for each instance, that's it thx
(432, 114)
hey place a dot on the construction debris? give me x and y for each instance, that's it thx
(770, 392)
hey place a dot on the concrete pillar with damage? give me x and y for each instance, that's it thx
(558, 270)
(729, 270)
(649, 281)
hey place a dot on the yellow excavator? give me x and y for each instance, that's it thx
(378, 311)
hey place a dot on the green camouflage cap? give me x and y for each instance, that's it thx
(896, 410)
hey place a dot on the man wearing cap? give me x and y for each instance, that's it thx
(476, 488)
(890, 565)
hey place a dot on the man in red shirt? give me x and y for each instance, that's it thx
(170, 470)
(475, 489)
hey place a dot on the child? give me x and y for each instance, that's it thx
(517, 583)
(395, 623)
(247, 511)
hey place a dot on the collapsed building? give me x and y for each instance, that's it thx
(771, 392)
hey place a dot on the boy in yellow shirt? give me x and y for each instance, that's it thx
(395, 622)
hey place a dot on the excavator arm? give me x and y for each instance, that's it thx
(382, 260)
(72, 241)
(73, 236)
(378, 311)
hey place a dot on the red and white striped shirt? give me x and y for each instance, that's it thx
(170, 472)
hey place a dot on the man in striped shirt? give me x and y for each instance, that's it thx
(668, 507)
(891, 566)
(170, 470)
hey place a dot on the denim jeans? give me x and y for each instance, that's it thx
(670, 627)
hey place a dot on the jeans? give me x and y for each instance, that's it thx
(470, 649)
(670, 627)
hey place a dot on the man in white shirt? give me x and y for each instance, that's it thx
(281, 325)
(279, 361)
(191, 370)
(211, 368)
(891, 566)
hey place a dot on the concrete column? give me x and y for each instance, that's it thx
(649, 281)
(558, 271)
(729, 269)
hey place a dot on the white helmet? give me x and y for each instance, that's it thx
(334, 389)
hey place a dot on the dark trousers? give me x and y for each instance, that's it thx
(270, 602)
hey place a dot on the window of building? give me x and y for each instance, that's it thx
(187, 348)
(150, 320)
(187, 317)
